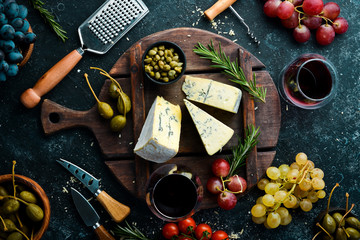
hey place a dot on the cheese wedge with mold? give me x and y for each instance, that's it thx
(160, 136)
(213, 133)
(212, 93)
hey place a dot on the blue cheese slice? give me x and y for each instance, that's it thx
(212, 93)
(213, 133)
(160, 136)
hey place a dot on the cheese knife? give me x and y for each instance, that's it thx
(89, 215)
(117, 210)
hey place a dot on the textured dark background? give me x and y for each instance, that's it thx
(330, 136)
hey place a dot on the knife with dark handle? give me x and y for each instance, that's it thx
(117, 210)
(89, 215)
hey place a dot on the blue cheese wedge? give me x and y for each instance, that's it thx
(212, 93)
(160, 136)
(213, 133)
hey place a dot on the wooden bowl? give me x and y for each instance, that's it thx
(26, 51)
(40, 194)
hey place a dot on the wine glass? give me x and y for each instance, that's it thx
(173, 192)
(308, 82)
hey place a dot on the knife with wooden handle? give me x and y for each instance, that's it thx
(89, 215)
(117, 210)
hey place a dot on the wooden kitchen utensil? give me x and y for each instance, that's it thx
(119, 150)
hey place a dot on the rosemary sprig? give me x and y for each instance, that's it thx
(241, 151)
(49, 18)
(129, 233)
(231, 68)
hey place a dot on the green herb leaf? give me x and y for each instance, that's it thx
(129, 232)
(49, 18)
(241, 152)
(230, 68)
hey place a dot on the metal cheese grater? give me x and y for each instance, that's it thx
(110, 22)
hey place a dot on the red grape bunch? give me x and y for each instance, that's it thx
(225, 185)
(288, 187)
(305, 15)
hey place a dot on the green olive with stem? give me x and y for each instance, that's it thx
(123, 101)
(113, 90)
(34, 212)
(104, 108)
(118, 122)
(119, 91)
(328, 221)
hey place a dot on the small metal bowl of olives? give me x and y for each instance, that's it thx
(31, 202)
(164, 62)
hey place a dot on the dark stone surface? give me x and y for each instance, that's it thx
(330, 136)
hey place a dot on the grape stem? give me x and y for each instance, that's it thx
(302, 173)
(227, 190)
(347, 202)
(303, 17)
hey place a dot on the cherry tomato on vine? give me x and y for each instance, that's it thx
(220, 235)
(203, 231)
(169, 230)
(187, 226)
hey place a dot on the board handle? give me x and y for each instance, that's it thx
(102, 234)
(55, 117)
(32, 96)
(218, 8)
(117, 210)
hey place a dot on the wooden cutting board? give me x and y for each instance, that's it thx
(133, 171)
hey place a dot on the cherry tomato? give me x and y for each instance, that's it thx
(220, 235)
(203, 231)
(184, 238)
(187, 226)
(170, 230)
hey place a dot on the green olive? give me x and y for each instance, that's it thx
(105, 110)
(340, 234)
(147, 60)
(163, 61)
(117, 123)
(152, 52)
(12, 217)
(354, 234)
(3, 191)
(10, 226)
(34, 212)
(171, 73)
(28, 197)
(329, 223)
(113, 90)
(123, 98)
(353, 222)
(337, 217)
(11, 206)
(15, 236)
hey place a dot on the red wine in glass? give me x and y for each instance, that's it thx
(173, 192)
(308, 82)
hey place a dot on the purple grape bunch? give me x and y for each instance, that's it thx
(14, 36)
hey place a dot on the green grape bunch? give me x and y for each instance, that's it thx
(298, 185)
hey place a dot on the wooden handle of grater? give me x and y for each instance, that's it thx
(218, 8)
(32, 96)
